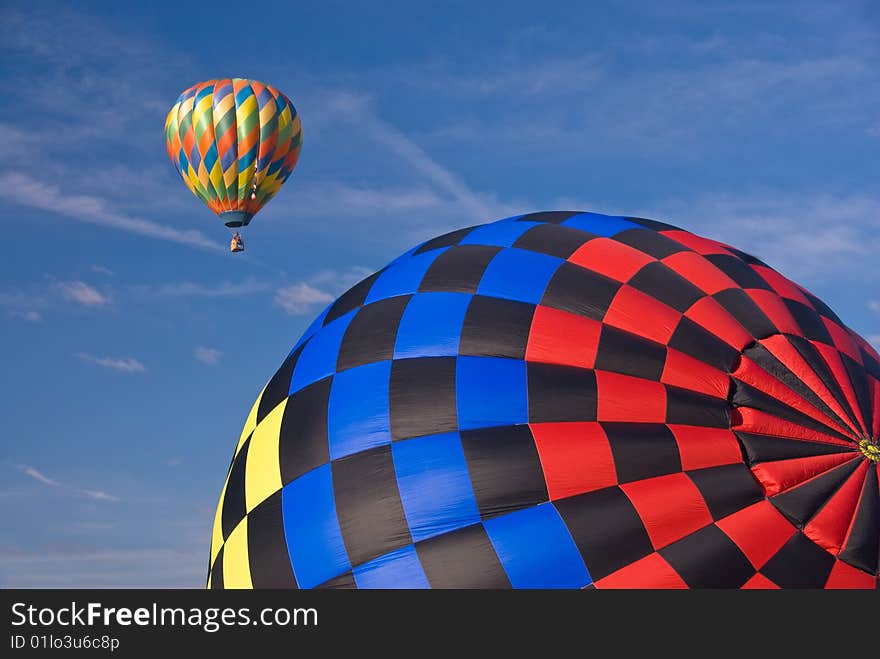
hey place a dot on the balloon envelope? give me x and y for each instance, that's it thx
(234, 142)
(562, 400)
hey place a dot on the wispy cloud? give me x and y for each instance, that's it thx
(82, 293)
(99, 495)
(126, 365)
(301, 298)
(103, 270)
(47, 145)
(36, 474)
(338, 281)
(27, 301)
(740, 91)
(534, 76)
(29, 316)
(395, 140)
(334, 199)
(24, 298)
(358, 111)
(61, 43)
(94, 210)
(874, 305)
(210, 356)
(322, 287)
(196, 289)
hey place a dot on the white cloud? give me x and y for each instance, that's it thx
(195, 289)
(103, 270)
(100, 495)
(874, 305)
(34, 473)
(127, 365)
(24, 299)
(338, 200)
(570, 75)
(393, 139)
(29, 316)
(321, 288)
(209, 356)
(339, 281)
(94, 210)
(82, 293)
(357, 111)
(679, 108)
(301, 298)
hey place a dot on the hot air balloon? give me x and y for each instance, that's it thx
(234, 142)
(562, 400)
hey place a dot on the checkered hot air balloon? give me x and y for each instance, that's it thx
(235, 142)
(562, 400)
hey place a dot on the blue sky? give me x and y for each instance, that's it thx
(135, 345)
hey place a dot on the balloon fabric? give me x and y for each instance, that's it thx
(234, 142)
(562, 400)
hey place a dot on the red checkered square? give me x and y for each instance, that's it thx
(700, 245)
(630, 307)
(652, 571)
(610, 258)
(681, 370)
(759, 531)
(760, 582)
(575, 457)
(670, 507)
(700, 272)
(701, 447)
(559, 337)
(626, 398)
(845, 576)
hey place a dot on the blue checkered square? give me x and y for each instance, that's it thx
(357, 414)
(518, 274)
(311, 528)
(537, 550)
(426, 466)
(491, 391)
(431, 325)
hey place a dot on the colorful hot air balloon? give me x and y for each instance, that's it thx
(235, 142)
(562, 400)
